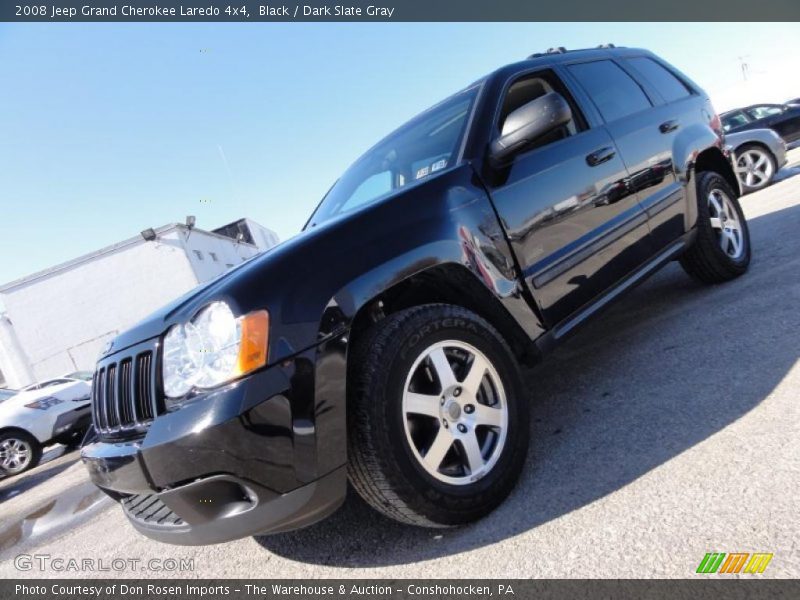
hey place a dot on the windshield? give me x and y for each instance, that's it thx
(83, 375)
(427, 144)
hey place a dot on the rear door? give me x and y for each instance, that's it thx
(645, 138)
(575, 229)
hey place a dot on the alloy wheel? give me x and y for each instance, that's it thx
(15, 455)
(754, 168)
(726, 224)
(455, 412)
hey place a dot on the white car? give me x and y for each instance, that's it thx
(54, 411)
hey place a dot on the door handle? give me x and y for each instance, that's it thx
(668, 126)
(598, 157)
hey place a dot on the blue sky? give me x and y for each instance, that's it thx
(109, 129)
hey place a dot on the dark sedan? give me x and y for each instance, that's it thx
(783, 119)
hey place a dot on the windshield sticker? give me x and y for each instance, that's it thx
(438, 165)
(422, 172)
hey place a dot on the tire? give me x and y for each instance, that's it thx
(390, 463)
(714, 257)
(755, 167)
(10, 444)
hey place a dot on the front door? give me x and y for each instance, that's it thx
(573, 225)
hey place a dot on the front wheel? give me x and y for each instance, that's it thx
(755, 167)
(438, 423)
(721, 250)
(18, 452)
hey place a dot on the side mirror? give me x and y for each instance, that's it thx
(528, 123)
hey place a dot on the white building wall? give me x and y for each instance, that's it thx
(211, 254)
(64, 319)
(60, 320)
(263, 237)
(16, 372)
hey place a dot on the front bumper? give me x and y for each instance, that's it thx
(221, 508)
(261, 455)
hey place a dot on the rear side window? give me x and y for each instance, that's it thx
(670, 87)
(613, 91)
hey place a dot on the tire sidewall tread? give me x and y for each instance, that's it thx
(705, 260)
(382, 466)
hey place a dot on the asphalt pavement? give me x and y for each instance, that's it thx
(665, 429)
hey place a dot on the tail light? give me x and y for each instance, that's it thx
(716, 123)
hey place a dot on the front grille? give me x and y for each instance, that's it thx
(123, 395)
(148, 508)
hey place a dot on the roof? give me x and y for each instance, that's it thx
(70, 264)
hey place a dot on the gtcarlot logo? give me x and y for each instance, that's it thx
(48, 562)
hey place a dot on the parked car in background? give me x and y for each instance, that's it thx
(32, 419)
(759, 154)
(783, 119)
(74, 376)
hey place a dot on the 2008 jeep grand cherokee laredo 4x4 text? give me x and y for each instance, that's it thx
(382, 344)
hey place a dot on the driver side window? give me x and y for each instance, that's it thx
(530, 87)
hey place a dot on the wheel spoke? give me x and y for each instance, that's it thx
(716, 223)
(472, 450)
(443, 369)
(438, 450)
(488, 415)
(734, 238)
(761, 162)
(472, 382)
(723, 241)
(422, 404)
(714, 201)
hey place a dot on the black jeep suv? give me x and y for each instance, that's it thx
(382, 345)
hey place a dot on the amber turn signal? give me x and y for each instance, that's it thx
(254, 342)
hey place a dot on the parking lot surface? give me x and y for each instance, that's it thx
(665, 429)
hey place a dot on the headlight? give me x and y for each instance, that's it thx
(213, 348)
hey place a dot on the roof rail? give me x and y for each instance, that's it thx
(563, 50)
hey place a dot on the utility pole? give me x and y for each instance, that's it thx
(744, 66)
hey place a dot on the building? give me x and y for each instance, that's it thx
(58, 320)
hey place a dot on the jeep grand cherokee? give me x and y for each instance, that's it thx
(382, 345)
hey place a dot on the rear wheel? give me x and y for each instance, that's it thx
(438, 421)
(18, 452)
(721, 251)
(755, 167)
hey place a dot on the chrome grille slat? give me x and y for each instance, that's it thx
(124, 391)
(111, 396)
(145, 395)
(101, 399)
(124, 394)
